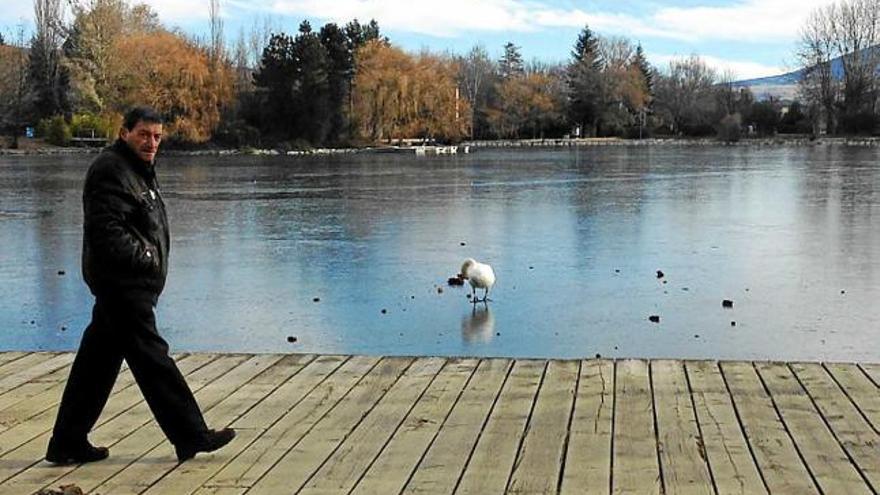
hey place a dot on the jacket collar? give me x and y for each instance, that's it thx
(145, 169)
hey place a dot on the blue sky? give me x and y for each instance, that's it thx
(750, 37)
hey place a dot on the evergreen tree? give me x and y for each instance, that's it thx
(371, 31)
(276, 80)
(2, 41)
(586, 49)
(511, 64)
(339, 73)
(645, 69)
(358, 35)
(312, 90)
(585, 83)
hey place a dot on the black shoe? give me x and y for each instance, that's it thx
(212, 441)
(61, 454)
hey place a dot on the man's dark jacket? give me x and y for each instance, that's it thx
(125, 238)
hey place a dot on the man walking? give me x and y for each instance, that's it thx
(124, 263)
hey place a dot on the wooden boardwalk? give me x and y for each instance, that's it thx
(370, 425)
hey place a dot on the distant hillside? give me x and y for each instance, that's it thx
(784, 86)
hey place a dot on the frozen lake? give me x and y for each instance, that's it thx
(575, 237)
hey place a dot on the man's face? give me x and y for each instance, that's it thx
(144, 139)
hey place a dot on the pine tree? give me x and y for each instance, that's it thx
(586, 48)
(585, 82)
(358, 35)
(276, 78)
(311, 89)
(511, 64)
(645, 69)
(339, 72)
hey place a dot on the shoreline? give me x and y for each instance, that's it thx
(468, 146)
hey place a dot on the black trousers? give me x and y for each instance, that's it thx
(123, 326)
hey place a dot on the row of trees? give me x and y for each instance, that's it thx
(349, 84)
(109, 57)
(343, 85)
(839, 50)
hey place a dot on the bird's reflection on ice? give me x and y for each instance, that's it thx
(478, 325)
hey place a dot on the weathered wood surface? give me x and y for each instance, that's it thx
(393, 425)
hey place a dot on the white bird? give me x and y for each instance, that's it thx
(479, 275)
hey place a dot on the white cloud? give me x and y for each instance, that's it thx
(603, 22)
(449, 19)
(170, 11)
(741, 20)
(746, 20)
(740, 69)
(749, 20)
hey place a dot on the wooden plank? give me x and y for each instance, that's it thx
(10, 382)
(220, 490)
(30, 367)
(873, 372)
(393, 467)
(774, 452)
(300, 462)
(157, 454)
(192, 475)
(539, 462)
(312, 394)
(45, 392)
(854, 434)
(9, 356)
(290, 416)
(733, 467)
(860, 389)
(37, 427)
(256, 385)
(682, 458)
(23, 396)
(342, 470)
(635, 466)
(290, 393)
(441, 467)
(124, 413)
(495, 454)
(24, 362)
(825, 458)
(588, 460)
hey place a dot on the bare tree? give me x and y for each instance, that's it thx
(855, 25)
(726, 92)
(46, 71)
(258, 39)
(815, 53)
(684, 94)
(475, 72)
(616, 51)
(241, 63)
(217, 41)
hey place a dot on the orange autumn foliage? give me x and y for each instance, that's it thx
(177, 78)
(526, 106)
(397, 95)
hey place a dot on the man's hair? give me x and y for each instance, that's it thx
(141, 114)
